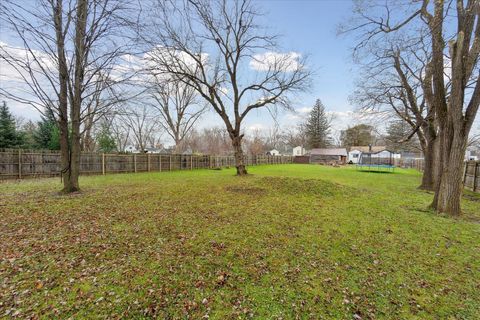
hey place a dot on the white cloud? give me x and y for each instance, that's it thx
(276, 60)
(304, 110)
(256, 127)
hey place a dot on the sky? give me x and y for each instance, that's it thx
(307, 27)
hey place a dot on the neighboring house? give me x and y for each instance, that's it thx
(273, 152)
(470, 155)
(131, 149)
(298, 151)
(154, 150)
(327, 156)
(377, 152)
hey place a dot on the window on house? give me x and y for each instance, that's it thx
(355, 155)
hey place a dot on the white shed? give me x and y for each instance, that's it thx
(273, 152)
(377, 152)
(298, 151)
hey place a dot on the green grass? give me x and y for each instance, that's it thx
(288, 241)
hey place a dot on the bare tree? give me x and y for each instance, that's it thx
(213, 140)
(257, 143)
(210, 45)
(456, 105)
(178, 107)
(393, 79)
(296, 136)
(274, 136)
(65, 48)
(142, 126)
(101, 101)
(120, 130)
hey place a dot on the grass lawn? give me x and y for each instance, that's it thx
(288, 241)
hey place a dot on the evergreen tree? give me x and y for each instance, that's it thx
(317, 127)
(47, 135)
(9, 136)
(28, 131)
(106, 140)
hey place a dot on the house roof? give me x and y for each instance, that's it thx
(329, 152)
(375, 149)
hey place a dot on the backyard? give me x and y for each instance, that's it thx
(286, 241)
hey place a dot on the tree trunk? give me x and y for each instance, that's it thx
(449, 188)
(428, 182)
(64, 150)
(431, 165)
(239, 157)
(75, 151)
(76, 99)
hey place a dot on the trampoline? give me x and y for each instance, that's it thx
(376, 161)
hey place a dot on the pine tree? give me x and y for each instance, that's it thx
(28, 135)
(47, 135)
(317, 127)
(105, 140)
(9, 137)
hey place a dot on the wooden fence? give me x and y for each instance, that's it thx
(19, 164)
(471, 174)
(471, 177)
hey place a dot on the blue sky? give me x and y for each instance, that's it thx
(308, 27)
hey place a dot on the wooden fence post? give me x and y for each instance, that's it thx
(475, 175)
(148, 162)
(191, 162)
(170, 163)
(19, 163)
(160, 162)
(103, 163)
(135, 163)
(465, 170)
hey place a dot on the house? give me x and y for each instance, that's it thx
(328, 156)
(298, 151)
(153, 150)
(376, 151)
(273, 152)
(131, 149)
(470, 155)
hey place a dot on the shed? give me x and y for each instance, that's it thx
(298, 151)
(328, 156)
(273, 152)
(377, 152)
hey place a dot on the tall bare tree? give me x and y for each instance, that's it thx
(453, 55)
(64, 48)
(218, 48)
(178, 107)
(395, 78)
(142, 124)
